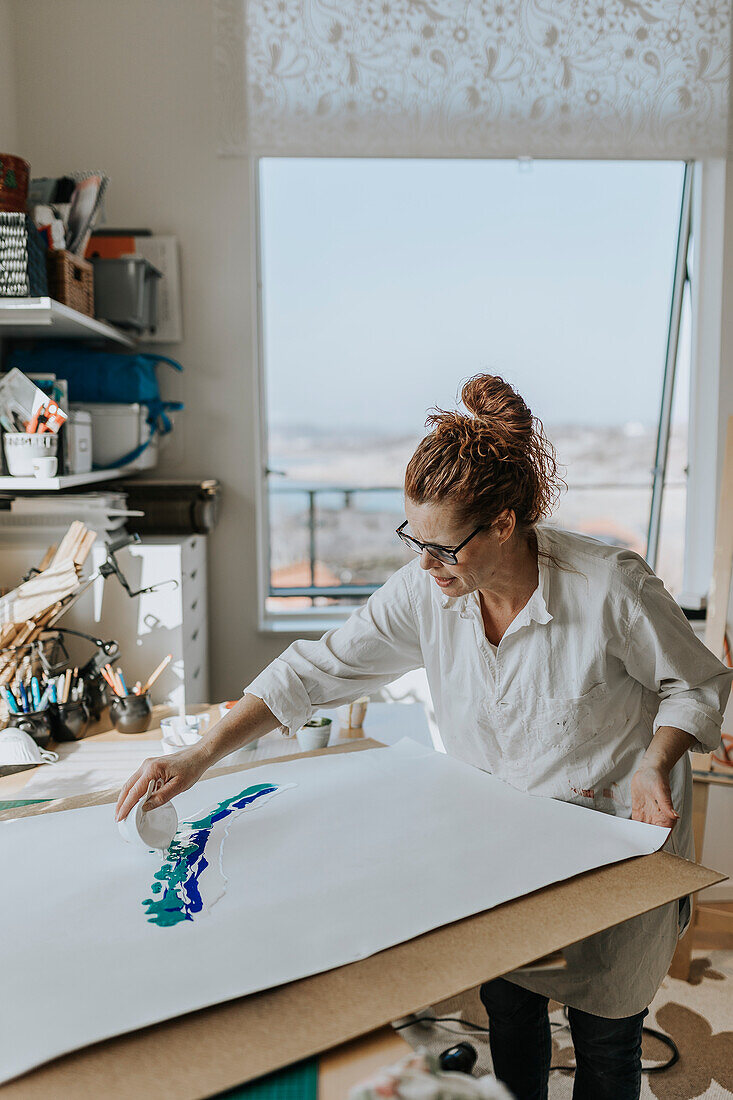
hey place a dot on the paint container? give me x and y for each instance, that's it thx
(131, 713)
(73, 721)
(314, 734)
(41, 725)
(149, 829)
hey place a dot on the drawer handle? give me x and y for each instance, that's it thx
(192, 574)
(195, 675)
(195, 634)
(194, 605)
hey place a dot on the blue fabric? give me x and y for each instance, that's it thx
(107, 377)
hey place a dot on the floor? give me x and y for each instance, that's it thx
(698, 1015)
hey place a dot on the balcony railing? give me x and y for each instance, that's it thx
(347, 591)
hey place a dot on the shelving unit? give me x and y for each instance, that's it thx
(44, 318)
(64, 481)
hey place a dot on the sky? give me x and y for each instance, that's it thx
(386, 283)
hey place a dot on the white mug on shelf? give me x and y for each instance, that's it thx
(45, 466)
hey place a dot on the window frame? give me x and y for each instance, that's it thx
(706, 382)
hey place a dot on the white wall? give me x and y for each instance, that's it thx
(8, 101)
(127, 87)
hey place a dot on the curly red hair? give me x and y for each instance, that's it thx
(494, 457)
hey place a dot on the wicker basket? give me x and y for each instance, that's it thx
(14, 177)
(71, 281)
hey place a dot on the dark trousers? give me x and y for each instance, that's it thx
(607, 1052)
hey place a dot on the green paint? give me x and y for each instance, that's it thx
(176, 887)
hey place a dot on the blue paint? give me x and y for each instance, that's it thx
(186, 861)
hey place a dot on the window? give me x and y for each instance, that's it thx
(385, 283)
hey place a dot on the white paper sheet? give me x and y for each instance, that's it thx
(414, 839)
(87, 766)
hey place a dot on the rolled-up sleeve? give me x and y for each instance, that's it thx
(377, 643)
(664, 655)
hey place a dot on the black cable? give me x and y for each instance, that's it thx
(665, 1039)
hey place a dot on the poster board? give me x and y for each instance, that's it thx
(285, 1024)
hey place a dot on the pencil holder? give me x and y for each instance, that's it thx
(131, 713)
(72, 721)
(41, 725)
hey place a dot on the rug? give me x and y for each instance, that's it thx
(697, 1015)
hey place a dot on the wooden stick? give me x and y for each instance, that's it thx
(47, 558)
(154, 675)
(85, 546)
(67, 685)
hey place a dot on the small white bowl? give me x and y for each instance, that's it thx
(149, 828)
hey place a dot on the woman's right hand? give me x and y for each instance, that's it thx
(171, 774)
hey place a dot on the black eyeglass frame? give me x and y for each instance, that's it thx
(450, 551)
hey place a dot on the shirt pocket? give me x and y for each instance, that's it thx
(564, 723)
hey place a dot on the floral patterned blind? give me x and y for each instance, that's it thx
(456, 78)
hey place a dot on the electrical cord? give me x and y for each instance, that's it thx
(468, 1024)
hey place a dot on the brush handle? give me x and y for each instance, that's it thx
(154, 675)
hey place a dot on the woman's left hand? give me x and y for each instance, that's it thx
(651, 797)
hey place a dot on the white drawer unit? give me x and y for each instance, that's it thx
(173, 619)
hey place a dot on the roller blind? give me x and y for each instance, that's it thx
(473, 78)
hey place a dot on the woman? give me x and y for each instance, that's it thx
(559, 664)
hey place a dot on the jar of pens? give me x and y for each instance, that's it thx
(131, 711)
(49, 707)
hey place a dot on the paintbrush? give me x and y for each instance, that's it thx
(154, 675)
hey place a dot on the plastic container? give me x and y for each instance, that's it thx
(78, 439)
(117, 431)
(21, 448)
(131, 713)
(126, 292)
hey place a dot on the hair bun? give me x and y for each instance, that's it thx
(489, 396)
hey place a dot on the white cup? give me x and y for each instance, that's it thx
(149, 828)
(314, 737)
(45, 466)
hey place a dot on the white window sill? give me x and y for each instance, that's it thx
(301, 624)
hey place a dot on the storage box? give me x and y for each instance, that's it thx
(117, 431)
(77, 433)
(71, 281)
(126, 292)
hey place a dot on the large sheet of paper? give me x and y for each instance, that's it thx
(87, 766)
(276, 873)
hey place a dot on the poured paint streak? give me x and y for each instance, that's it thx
(177, 886)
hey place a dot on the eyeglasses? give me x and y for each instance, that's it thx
(448, 554)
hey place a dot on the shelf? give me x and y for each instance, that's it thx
(64, 481)
(43, 318)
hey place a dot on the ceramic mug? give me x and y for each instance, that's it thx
(314, 735)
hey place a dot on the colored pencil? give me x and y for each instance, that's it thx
(154, 675)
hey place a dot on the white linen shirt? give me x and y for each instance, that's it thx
(565, 706)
